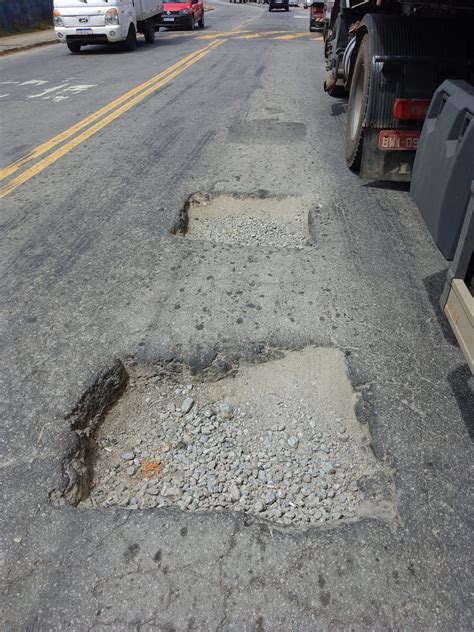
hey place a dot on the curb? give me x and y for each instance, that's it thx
(17, 49)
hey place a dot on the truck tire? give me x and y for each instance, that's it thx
(149, 33)
(130, 43)
(74, 47)
(358, 99)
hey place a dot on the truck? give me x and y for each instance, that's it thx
(79, 23)
(406, 68)
(388, 57)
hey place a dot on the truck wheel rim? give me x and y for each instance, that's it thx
(357, 103)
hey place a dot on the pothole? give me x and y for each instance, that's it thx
(260, 220)
(278, 439)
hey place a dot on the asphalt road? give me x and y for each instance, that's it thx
(91, 272)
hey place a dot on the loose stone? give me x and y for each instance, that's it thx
(293, 442)
(234, 491)
(226, 411)
(270, 498)
(187, 404)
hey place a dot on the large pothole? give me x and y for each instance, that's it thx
(257, 220)
(279, 439)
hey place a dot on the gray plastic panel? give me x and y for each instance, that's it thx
(461, 266)
(444, 164)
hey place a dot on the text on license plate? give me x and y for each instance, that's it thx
(393, 140)
(168, 19)
(84, 31)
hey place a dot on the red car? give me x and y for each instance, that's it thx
(185, 13)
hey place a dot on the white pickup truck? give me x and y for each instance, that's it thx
(81, 22)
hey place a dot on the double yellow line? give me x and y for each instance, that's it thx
(94, 123)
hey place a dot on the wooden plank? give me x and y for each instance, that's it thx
(460, 312)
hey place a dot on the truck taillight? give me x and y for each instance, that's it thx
(410, 109)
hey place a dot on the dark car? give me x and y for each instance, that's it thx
(278, 4)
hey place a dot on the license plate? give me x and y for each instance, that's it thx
(84, 31)
(168, 19)
(393, 140)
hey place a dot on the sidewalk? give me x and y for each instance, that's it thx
(23, 41)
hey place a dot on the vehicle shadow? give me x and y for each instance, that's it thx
(142, 46)
(338, 108)
(461, 382)
(114, 49)
(388, 186)
(434, 286)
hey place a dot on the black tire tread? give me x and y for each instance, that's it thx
(74, 47)
(130, 43)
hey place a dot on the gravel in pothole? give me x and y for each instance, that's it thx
(279, 222)
(279, 439)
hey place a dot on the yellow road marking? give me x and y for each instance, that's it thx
(290, 37)
(241, 35)
(262, 34)
(252, 36)
(114, 110)
(59, 153)
(212, 36)
(59, 138)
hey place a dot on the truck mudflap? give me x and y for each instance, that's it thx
(410, 58)
(381, 163)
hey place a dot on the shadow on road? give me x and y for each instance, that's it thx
(434, 286)
(462, 385)
(388, 186)
(339, 108)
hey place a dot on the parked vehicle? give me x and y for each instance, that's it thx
(316, 17)
(389, 57)
(307, 4)
(183, 13)
(293, 3)
(407, 68)
(278, 4)
(78, 23)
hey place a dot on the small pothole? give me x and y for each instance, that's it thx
(256, 220)
(279, 439)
